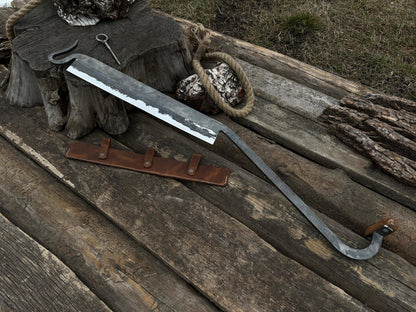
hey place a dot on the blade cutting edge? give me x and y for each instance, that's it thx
(146, 98)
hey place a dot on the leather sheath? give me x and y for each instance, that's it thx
(148, 163)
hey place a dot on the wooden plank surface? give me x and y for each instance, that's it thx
(260, 65)
(287, 93)
(123, 274)
(262, 208)
(199, 234)
(330, 191)
(287, 113)
(33, 279)
(223, 259)
(384, 282)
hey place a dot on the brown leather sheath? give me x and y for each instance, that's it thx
(149, 163)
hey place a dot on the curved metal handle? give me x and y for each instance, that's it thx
(67, 59)
(359, 254)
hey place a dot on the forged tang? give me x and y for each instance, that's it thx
(203, 127)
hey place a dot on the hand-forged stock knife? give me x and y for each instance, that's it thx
(201, 126)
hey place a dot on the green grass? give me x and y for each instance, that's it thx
(301, 23)
(369, 41)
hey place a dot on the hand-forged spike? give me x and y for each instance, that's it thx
(203, 127)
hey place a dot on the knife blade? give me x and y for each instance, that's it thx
(203, 127)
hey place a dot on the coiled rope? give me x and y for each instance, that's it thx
(18, 15)
(203, 38)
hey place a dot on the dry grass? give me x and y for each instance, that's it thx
(370, 41)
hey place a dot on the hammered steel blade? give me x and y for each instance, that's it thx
(201, 126)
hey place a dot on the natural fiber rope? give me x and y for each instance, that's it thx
(203, 37)
(18, 15)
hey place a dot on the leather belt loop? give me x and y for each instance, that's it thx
(148, 158)
(149, 163)
(104, 148)
(193, 164)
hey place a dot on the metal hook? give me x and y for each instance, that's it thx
(51, 57)
(377, 234)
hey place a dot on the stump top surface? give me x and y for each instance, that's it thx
(41, 32)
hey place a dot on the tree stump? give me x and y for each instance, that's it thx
(5, 46)
(151, 48)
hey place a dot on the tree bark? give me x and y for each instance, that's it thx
(381, 127)
(191, 91)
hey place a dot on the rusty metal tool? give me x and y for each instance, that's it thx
(203, 127)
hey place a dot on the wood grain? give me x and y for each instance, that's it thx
(124, 275)
(330, 191)
(223, 259)
(270, 62)
(33, 279)
(151, 47)
(262, 208)
(384, 134)
(312, 141)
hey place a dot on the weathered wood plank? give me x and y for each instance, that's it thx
(271, 62)
(124, 275)
(329, 191)
(33, 279)
(273, 118)
(283, 65)
(222, 258)
(287, 93)
(310, 104)
(262, 208)
(311, 140)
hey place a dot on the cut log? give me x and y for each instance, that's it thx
(383, 281)
(226, 261)
(152, 48)
(33, 279)
(123, 274)
(262, 208)
(87, 13)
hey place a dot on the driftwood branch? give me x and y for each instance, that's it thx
(381, 127)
